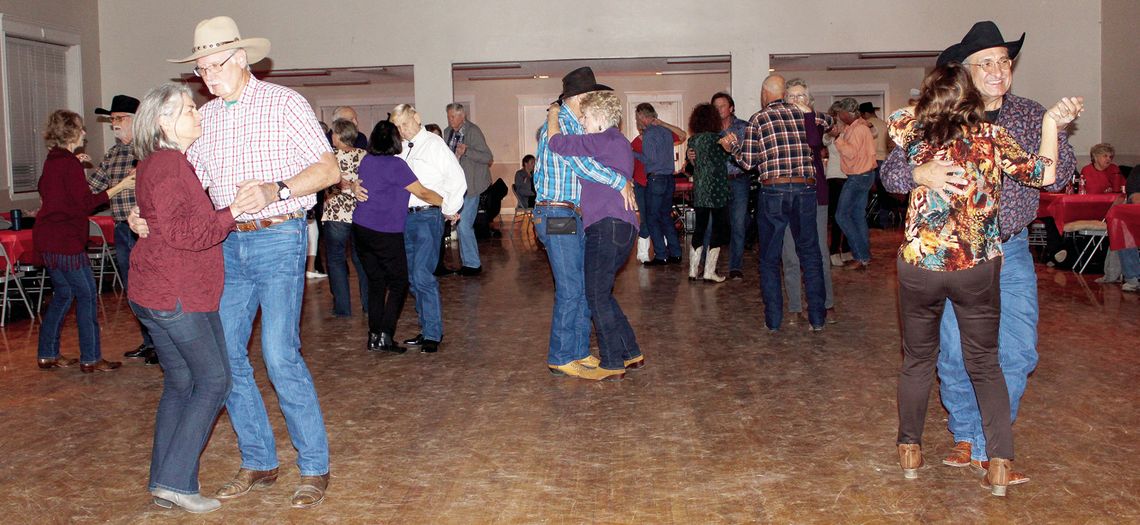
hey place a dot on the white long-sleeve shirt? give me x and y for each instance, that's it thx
(436, 168)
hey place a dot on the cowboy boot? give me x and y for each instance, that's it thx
(997, 476)
(694, 263)
(710, 266)
(642, 250)
(910, 459)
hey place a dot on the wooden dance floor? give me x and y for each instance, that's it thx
(726, 424)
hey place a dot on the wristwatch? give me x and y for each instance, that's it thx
(283, 192)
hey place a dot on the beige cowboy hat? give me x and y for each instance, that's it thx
(221, 33)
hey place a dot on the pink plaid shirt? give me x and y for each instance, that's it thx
(270, 134)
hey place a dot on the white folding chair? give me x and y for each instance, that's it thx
(12, 275)
(103, 253)
(1096, 231)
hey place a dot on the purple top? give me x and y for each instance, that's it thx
(385, 177)
(611, 149)
(815, 142)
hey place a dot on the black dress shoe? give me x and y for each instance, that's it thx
(429, 346)
(415, 341)
(736, 275)
(443, 271)
(387, 344)
(673, 260)
(151, 357)
(373, 341)
(468, 271)
(139, 352)
(655, 262)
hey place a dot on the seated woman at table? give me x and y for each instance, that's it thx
(1101, 175)
(60, 236)
(953, 251)
(176, 284)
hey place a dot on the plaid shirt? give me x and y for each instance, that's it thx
(116, 166)
(556, 177)
(775, 142)
(270, 134)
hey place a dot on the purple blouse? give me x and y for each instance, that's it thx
(386, 179)
(611, 149)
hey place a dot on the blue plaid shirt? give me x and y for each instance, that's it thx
(556, 177)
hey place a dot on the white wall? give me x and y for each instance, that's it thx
(1121, 79)
(1062, 54)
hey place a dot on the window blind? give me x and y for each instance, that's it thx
(37, 86)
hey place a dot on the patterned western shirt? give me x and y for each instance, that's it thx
(269, 134)
(738, 126)
(116, 166)
(775, 142)
(1021, 117)
(556, 177)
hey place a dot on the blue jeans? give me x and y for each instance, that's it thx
(639, 192)
(659, 202)
(570, 323)
(738, 220)
(1129, 263)
(68, 285)
(851, 214)
(784, 206)
(125, 241)
(468, 247)
(608, 244)
(196, 382)
(337, 236)
(422, 232)
(266, 268)
(792, 274)
(1017, 347)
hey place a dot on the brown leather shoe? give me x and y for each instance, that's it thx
(635, 363)
(56, 362)
(960, 456)
(980, 468)
(856, 266)
(997, 476)
(101, 365)
(246, 480)
(910, 459)
(311, 491)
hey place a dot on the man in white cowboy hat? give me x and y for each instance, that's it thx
(264, 139)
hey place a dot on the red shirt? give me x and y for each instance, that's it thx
(181, 258)
(61, 224)
(1108, 181)
(639, 176)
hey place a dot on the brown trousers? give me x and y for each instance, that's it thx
(975, 296)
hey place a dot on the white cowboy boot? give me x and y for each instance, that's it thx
(694, 263)
(710, 266)
(642, 250)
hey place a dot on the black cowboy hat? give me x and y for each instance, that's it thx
(983, 35)
(120, 104)
(580, 81)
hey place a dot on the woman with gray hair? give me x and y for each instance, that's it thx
(176, 283)
(336, 220)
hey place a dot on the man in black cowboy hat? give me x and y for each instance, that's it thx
(118, 164)
(558, 224)
(989, 58)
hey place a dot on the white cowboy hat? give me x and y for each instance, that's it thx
(221, 33)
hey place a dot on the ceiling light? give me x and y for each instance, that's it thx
(899, 54)
(486, 65)
(542, 76)
(368, 70)
(790, 57)
(338, 83)
(860, 68)
(502, 77)
(718, 59)
(694, 72)
(297, 73)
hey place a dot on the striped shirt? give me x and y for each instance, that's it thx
(556, 177)
(775, 142)
(269, 134)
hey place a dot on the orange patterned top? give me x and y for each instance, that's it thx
(947, 232)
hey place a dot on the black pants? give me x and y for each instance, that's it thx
(976, 297)
(721, 229)
(386, 265)
(838, 242)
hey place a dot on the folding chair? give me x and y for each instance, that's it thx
(1096, 231)
(102, 252)
(12, 275)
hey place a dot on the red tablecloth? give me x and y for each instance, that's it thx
(107, 224)
(19, 246)
(1068, 208)
(1123, 226)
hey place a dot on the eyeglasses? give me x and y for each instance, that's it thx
(993, 66)
(212, 69)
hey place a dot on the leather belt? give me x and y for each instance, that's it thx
(417, 209)
(789, 180)
(260, 224)
(559, 204)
